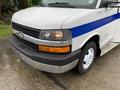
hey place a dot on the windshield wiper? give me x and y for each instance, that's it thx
(61, 4)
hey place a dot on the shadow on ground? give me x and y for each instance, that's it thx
(16, 75)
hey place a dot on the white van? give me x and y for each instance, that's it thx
(59, 35)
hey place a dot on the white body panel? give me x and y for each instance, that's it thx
(67, 18)
(46, 18)
(116, 38)
(105, 32)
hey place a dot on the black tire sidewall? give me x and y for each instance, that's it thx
(84, 50)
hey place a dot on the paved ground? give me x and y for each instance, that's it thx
(16, 75)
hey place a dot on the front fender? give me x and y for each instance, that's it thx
(79, 42)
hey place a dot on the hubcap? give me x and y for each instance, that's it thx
(88, 59)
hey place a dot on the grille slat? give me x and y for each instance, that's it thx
(26, 30)
(29, 31)
(28, 44)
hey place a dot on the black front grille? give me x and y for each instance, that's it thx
(28, 44)
(26, 30)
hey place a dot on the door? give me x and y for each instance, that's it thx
(109, 27)
(116, 38)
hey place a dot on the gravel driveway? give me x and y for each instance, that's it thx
(16, 75)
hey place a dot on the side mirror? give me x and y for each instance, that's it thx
(112, 4)
(106, 4)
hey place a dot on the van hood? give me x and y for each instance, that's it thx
(46, 17)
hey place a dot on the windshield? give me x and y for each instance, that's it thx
(70, 3)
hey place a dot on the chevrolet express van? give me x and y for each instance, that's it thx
(59, 35)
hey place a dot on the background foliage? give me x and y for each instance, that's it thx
(8, 7)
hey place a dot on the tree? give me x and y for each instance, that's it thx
(1, 16)
(8, 7)
(35, 2)
(0, 9)
(22, 4)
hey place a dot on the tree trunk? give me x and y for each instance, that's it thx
(23, 4)
(1, 16)
(0, 7)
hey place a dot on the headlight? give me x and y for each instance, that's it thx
(63, 36)
(55, 35)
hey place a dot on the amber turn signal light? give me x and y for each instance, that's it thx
(50, 49)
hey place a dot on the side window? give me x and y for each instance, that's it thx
(114, 0)
(103, 1)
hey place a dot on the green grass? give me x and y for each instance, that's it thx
(5, 30)
(1, 22)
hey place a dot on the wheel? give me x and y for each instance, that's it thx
(87, 56)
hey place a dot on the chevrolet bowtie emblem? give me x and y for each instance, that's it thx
(19, 34)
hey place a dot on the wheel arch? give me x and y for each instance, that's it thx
(96, 39)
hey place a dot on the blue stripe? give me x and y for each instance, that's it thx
(83, 29)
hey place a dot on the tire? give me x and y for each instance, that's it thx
(87, 56)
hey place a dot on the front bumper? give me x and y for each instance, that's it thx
(53, 63)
